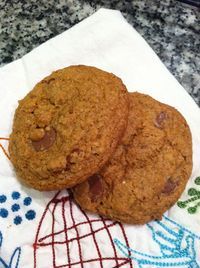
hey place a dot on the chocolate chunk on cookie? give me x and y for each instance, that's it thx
(43, 141)
(169, 186)
(68, 127)
(149, 169)
(160, 118)
(95, 187)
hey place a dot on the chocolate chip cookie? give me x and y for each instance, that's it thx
(149, 169)
(67, 127)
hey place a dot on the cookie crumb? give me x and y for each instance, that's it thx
(37, 134)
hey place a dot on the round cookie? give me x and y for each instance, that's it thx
(67, 127)
(149, 169)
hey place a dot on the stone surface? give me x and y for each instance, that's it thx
(170, 27)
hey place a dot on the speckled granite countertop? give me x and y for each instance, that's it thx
(170, 27)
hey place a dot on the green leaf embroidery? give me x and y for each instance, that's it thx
(192, 203)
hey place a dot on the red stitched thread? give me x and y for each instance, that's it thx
(123, 263)
(63, 199)
(97, 259)
(64, 230)
(52, 245)
(65, 227)
(75, 238)
(111, 240)
(78, 237)
(35, 245)
(3, 149)
(56, 201)
(94, 238)
(127, 243)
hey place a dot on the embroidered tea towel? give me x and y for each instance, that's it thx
(47, 230)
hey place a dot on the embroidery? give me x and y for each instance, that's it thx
(2, 147)
(15, 195)
(15, 257)
(176, 243)
(30, 215)
(17, 220)
(3, 213)
(15, 207)
(11, 210)
(75, 232)
(3, 198)
(27, 201)
(193, 203)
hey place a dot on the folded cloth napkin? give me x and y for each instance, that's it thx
(46, 230)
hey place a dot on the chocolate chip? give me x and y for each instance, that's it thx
(161, 117)
(46, 142)
(95, 186)
(170, 185)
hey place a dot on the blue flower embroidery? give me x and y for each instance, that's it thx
(16, 203)
(176, 247)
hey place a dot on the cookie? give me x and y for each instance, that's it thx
(67, 127)
(149, 169)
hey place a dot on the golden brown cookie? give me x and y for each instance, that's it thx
(149, 169)
(67, 127)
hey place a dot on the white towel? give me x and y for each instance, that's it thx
(43, 231)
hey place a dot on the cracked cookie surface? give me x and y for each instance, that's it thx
(67, 127)
(149, 169)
